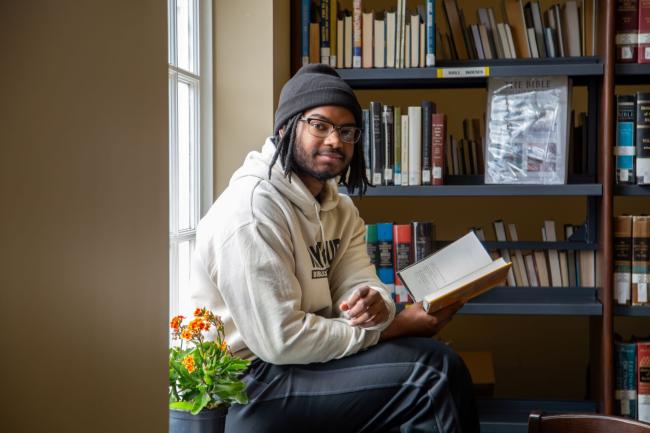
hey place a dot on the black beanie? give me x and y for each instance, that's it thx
(315, 85)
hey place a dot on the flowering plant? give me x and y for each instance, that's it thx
(203, 374)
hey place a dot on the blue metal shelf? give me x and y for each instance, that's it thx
(629, 310)
(483, 190)
(511, 416)
(552, 301)
(632, 190)
(393, 78)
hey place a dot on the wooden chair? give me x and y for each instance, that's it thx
(539, 422)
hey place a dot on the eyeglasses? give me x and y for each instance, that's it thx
(323, 128)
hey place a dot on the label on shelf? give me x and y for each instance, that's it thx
(481, 71)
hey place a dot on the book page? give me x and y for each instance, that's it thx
(456, 260)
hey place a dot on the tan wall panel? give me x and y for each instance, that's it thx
(84, 216)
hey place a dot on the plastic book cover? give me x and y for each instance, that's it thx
(527, 130)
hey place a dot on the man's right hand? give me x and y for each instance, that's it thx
(415, 322)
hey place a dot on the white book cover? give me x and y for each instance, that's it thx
(542, 269)
(390, 39)
(530, 270)
(415, 145)
(415, 40)
(398, 34)
(367, 39)
(456, 273)
(405, 150)
(407, 45)
(348, 41)
(380, 44)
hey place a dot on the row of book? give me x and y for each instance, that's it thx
(392, 247)
(544, 268)
(631, 259)
(396, 38)
(565, 30)
(632, 376)
(632, 31)
(632, 149)
(413, 148)
(409, 38)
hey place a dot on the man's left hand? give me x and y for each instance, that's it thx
(365, 308)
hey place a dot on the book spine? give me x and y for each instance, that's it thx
(643, 53)
(371, 244)
(386, 269)
(415, 145)
(388, 121)
(643, 138)
(340, 44)
(405, 150)
(625, 391)
(367, 38)
(643, 382)
(424, 235)
(314, 43)
(325, 31)
(334, 32)
(431, 33)
(348, 44)
(627, 29)
(500, 235)
(356, 34)
(625, 148)
(427, 110)
(367, 148)
(622, 259)
(379, 38)
(438, 134)
(397, 126)
(402, 248)
(640, 259)
(376, 146)
(305, 20)
(571, 257)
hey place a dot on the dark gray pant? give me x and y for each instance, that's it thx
(404, 385)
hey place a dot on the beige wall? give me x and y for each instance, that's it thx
(251, 64)
(83, 216)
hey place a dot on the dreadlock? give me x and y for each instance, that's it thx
(353, 177)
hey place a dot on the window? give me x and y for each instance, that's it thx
(190, 136)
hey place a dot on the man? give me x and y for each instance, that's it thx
(281, 258)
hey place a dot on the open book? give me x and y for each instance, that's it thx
(458, 272)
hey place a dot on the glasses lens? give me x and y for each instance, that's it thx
(350, 134)
(319, 129)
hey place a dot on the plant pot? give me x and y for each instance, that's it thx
(206, 421)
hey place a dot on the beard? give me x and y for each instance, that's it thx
(303, 164)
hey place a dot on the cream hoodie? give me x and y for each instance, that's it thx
(275, 264)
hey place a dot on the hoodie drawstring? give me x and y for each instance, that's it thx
(322, 230)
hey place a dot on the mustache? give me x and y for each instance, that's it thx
(329, 152)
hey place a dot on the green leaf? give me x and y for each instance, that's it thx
(200, 403)
(181, 405)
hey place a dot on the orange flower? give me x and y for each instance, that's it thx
(198, 312)
(224, 346)
(176, 322)
(188, 362)
(186, 334)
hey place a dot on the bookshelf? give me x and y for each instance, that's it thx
(598, 74)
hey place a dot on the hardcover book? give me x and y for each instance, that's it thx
(457, 273)
(625, 149)
(622, 259)
(640, 259)
(527, 130)
(627, 29)
(643, 382)
(402, 249)
(625, 372)
(386, 266)
(643, 138)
